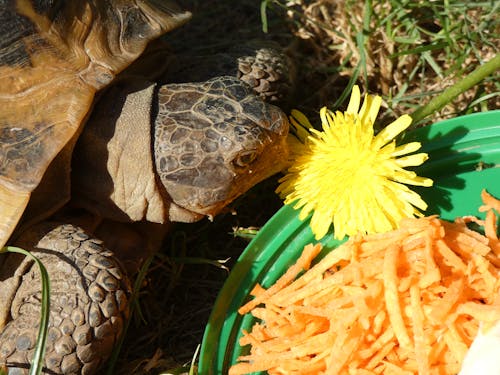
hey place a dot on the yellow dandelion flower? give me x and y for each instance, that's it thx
(349, 176)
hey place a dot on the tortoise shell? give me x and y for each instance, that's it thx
(54, 56)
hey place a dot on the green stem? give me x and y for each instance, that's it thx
(37, 365)
(452, 92)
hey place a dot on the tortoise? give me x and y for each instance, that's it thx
(95, 164)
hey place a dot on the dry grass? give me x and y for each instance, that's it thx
(399, 49)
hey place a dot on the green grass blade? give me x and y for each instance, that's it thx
(420, 49)
(37, 361)
(193, 368)
(248, 233)
(219, 263)
(263, 15)
(484, 98)
(432, 63)
(347, 91)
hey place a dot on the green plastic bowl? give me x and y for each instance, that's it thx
(464, 158)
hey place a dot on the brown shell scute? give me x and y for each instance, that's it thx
(20, 151)
(13, 28)
(54, 55)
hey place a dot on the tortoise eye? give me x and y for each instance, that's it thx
(244, 159)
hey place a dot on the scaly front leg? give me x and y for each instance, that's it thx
(89, 301)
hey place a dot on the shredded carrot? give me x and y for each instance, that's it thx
(409, 301)
(302, 263)
(490, 202)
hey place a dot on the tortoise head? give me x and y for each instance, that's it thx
(215, 140)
